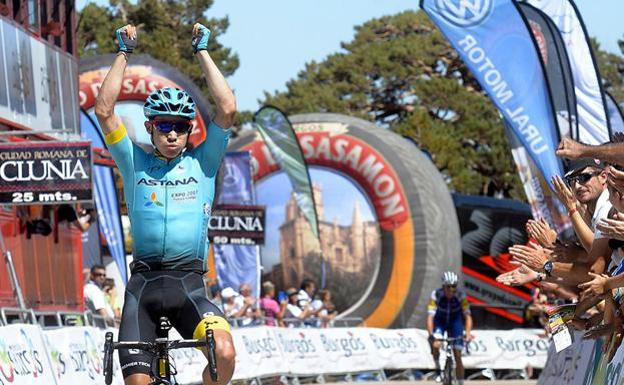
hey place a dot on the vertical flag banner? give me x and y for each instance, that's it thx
(554, 57)
(593, 122)
(237, 264)
(544, 203)
(106, 202)
(616, 117)
(493, 40)
(280, 138)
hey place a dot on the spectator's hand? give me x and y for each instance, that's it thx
(518, 277)
(569, 148)
(615, 179)
(126, 38)
(594, 287)
(534, 256)
(284, 303)
(598, 331)
(564, 193)
(612, 228)
(618, 137)
(541, 232)
(249, 301)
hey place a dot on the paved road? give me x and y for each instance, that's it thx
(477, 382)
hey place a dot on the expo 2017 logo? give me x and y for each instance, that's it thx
(464, 13)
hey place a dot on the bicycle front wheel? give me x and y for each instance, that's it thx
(448, 372)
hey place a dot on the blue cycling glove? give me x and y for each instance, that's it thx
(200, 41)
(125, 43)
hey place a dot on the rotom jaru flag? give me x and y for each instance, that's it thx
(593, 123)
(495, 43)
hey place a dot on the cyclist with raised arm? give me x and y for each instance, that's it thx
(449, 312)
(169, 193)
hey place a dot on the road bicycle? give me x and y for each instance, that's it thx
(161, 371)
(448, 374)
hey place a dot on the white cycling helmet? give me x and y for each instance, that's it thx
(449, 278)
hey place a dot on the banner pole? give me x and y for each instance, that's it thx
(17, 289)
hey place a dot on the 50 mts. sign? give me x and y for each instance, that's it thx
(237, 225)
(46, 172)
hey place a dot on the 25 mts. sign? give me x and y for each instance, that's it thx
(45, 172)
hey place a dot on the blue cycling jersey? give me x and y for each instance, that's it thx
(446, 309)
(169, 202)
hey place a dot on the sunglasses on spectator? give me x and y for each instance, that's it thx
(99, 275)
(179, 126)
(581, 178)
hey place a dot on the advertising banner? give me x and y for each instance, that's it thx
(493, 40)
(593, 122)
(553, 53)
(236, 263)
(508, 349)
(398, 348)
(236, 225)
(106, 201)
(76, 355)
(38, 82)
(258, 353)
(45, 172)
(571, 366)
(23, 356)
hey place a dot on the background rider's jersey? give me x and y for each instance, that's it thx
(169, 203)
(443, 308)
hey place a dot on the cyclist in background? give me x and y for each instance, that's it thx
(449, 312)
(169, 193)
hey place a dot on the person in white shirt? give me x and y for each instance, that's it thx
(94, 297)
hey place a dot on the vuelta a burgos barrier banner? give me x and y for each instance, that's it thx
(593, 122)
(73, 355)
(391, 240)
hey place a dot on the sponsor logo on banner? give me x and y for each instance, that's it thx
(298, 345)
(464, 13)
(46, 173)
(353, 157)
(6, 364)
(349, 345)
(398, 341)
(237, 225)
(57, 359)
(265, 346)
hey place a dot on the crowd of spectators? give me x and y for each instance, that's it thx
(586, 270)
(292, 307)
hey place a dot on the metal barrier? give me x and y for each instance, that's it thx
(60, 318)
(10, 315)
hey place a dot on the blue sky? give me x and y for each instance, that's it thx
(275, 38)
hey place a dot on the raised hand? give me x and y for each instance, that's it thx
(201, 34)
(594, 287)
(612, 228)
(126, 38)
(534, 257)
(517, 277)
(540, 231)
(569, 148)
(564, 193)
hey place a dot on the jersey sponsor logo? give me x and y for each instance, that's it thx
(152, 201)
(175, 182)
(207, 209)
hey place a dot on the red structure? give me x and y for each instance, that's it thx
(54, 21)
(49, 268)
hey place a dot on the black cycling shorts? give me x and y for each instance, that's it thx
(177, 295)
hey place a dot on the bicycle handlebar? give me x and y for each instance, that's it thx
(150, 346)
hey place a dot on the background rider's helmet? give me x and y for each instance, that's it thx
(169, 101)
(449, 278)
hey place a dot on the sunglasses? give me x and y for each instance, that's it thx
(179, 126)
(99, 275)
(581, 178)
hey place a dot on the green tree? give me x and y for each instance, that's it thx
(611, 70)
(401, 73)
(164, 32)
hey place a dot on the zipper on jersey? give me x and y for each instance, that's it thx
(165, 220)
